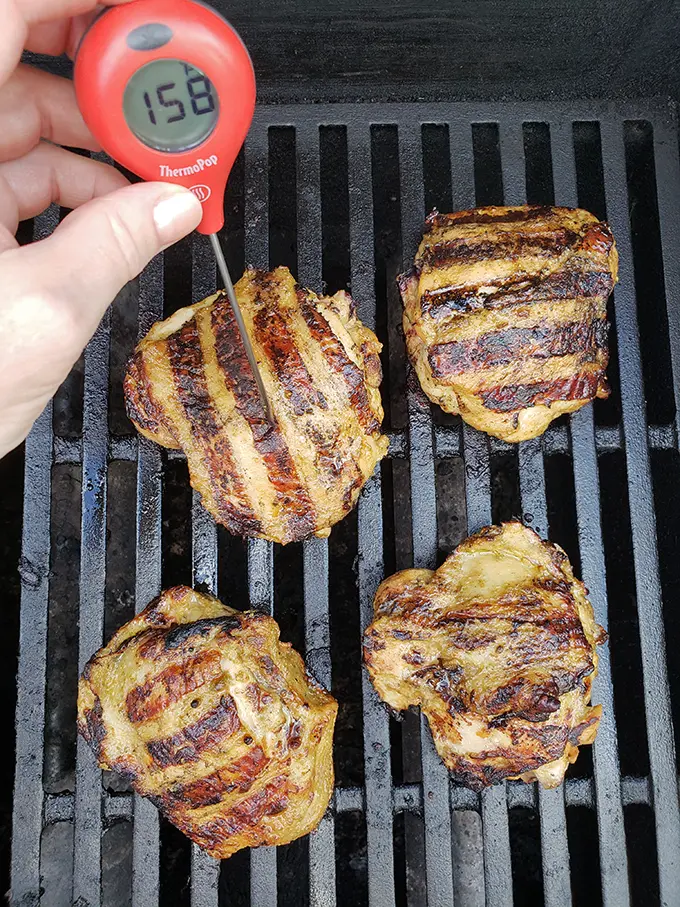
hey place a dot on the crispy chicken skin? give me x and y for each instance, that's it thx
(189, 386)
(497, 647)
(505, 315)
(213, 719)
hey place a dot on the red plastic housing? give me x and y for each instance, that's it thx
(200, 37)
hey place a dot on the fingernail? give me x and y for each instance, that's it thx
(176, 215)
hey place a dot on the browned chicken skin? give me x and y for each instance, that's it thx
(214, 719)
(505, 315)
(497, 647)
(189, 386)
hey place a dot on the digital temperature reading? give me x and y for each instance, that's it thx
(170, 105)
(168, 90)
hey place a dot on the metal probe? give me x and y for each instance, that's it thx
(229, 287)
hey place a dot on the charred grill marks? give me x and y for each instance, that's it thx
(183, 633)
(509, 397)
(274, 337)
(270, 801)
(209, 731)
(239, 775)
(268, 439)
(149, 699)
(339, 362)
(500, 216)
(186, 359)
(94, 730)
(140, 405)
(206, 713)
(462, 250)
(505, 693)
(502, 347)
(567, 284)
(582, 274)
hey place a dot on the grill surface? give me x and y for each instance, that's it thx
(402, 832)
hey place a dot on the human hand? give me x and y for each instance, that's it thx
(55, 292)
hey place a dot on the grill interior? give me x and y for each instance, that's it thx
(339, 193)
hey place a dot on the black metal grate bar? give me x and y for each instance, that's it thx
(88, 783)
(370, 568)
(475, 450)
(611, 834)
(87, 831)
(315, 551)
(438, 857)
(643, 525)
(205, 871)
(496, 840)
(668, 179)
(145, 840)
(496, 834)
(91, 809)
(554, 848)
(34, 569)
(260, 553)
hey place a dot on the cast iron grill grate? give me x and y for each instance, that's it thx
(340, 193)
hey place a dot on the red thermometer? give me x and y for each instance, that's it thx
(168, 90)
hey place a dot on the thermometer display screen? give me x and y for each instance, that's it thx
(170, 105)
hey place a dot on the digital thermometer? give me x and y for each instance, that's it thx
(167, 88)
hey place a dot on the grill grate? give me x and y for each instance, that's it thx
(394, 870)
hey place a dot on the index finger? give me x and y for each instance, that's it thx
(17, 16)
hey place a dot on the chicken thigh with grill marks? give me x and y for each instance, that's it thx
(189, 386)
(215, 720)
(505, 315)
(498, 648)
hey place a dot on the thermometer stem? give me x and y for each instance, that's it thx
(229, 287)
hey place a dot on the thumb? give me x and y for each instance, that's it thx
(105, 243)
(54, 292)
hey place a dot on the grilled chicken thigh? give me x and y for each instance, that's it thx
(216, 721)
(498, 649)
(189, 386)
(505, 315)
